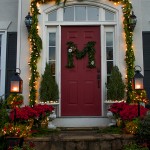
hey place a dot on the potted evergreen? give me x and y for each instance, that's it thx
(115, 86)
(48, 87)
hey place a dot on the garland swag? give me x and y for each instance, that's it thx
(88, 49)
(36, 45)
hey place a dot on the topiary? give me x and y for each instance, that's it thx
(115, 85)
(48, 86)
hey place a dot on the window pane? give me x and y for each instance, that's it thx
(109, 53)
(52, 16)
(69, 14)
(52, 63)
(52, 39)
(109, 66)
(0, 39)
(52, 53)
(93, 13)
(108, 77)
(109, 39)
(80, 13)
(109, 15)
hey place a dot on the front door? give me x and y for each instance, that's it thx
(80, 86)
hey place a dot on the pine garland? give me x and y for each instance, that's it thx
(36, 46)
(88, 49)
(130, 58)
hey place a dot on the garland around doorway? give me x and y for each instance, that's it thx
(36, 45)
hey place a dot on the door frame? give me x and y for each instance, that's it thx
(104, 26)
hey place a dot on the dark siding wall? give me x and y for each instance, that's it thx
(146, 55)
(10, 58)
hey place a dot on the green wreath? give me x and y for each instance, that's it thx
(73, 51)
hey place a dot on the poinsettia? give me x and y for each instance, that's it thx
(43, 110)
(131, 111)
(126, 111)
(116, 108)
(20, 115)
(28, 112)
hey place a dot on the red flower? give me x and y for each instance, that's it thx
(43, 109)
(126, 111)
(27, 112)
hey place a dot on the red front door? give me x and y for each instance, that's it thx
(80, 87)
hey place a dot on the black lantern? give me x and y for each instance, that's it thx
(132, 22)
(28, 21)
(138, 79)
(138, 82)
(16, 83)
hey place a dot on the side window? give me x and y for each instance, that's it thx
(2, 62)
(109, 16)
(52, 16)
(0, 57)
(52, 51)
(109, 52)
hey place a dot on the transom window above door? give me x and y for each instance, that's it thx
(83, 13)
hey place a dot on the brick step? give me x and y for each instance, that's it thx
(80, 131)
(76, 140)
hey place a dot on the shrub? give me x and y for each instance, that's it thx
(14, 100)
(143, 134)
(115, 85)
(48, 87)
(3, 115)
(134, 146)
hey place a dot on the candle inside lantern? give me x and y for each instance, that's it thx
(14, 87)
(138, 86)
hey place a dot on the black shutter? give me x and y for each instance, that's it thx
(11, 56)
(146, 57)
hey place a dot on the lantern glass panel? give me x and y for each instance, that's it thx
(139, 84)
(14, 86)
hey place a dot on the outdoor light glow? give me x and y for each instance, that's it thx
(15, 89)
(38, 5)
(138, 86)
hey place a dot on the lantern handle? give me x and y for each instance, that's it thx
(137, 68)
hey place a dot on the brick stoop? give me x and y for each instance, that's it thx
(82, 139)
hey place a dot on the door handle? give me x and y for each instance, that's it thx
(98, 77)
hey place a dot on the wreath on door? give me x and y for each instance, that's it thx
(79, 54)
